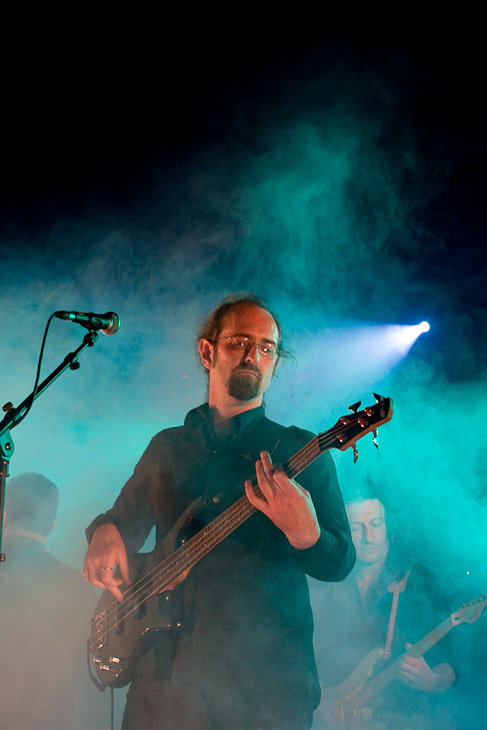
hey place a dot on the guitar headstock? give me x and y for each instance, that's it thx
(471, 611)
(350, 428)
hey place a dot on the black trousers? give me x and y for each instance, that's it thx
(165, 706)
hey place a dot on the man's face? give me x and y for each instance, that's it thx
(369, 531)
(239, 374)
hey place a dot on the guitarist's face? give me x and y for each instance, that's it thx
(369, 531)
(236, 374)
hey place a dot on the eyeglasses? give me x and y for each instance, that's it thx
(243, 344)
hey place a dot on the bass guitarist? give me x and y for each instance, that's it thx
(242, 655)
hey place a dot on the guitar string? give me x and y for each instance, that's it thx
(238, 513)
(149, 587)
(112, 616)
(218, 530)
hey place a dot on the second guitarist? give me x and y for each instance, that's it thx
(372, 617)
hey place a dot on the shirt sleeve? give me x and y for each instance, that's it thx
(133, 511)
(333, 556)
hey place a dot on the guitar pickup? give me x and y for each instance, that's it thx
(114, 664)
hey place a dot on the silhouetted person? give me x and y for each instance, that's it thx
(44, 620)
(357, 616)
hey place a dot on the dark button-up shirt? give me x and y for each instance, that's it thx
(246, 603)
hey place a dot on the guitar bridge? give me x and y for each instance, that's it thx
(98, 631)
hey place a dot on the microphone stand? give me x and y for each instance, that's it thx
(15, 415)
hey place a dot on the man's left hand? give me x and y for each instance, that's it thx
(285, 503)
(416, 673)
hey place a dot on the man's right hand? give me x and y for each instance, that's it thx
(105, 553)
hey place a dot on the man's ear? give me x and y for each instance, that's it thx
(206, 353)
(276, 366)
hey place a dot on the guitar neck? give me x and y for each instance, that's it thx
(424, 644)
(346, 431)
(218, 529)
(215, 531)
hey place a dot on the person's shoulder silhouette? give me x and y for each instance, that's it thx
(45, 618)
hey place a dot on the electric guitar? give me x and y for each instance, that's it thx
(122, 631)
(348, 705)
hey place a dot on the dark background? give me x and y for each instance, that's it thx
(98, 109)
(92, 109)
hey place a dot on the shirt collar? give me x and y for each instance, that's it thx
(200, 420)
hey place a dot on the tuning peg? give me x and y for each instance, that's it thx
(378, 397)
(354, 408)
(355, 453)
(374, 440)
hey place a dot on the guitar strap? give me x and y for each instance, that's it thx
(395, 588)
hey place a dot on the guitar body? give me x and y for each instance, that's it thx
(116, 659)
(115, 651)
(343, 706)
(351, 704)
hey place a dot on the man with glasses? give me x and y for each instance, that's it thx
(244, 656)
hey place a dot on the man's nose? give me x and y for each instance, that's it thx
(252, 354)
(367, 534)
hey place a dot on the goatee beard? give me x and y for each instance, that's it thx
(244, 387)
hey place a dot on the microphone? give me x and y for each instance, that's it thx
(108, 323)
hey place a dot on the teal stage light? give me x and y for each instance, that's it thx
(405, 336)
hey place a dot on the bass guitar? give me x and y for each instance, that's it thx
(121, 631)
(350, 704)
